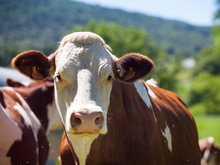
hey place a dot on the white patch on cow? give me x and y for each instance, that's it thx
(81, 144)
(54, 117)
(10, 132)
(23, 113)
(8, 88)
(142, 91)
(166, 133)
(25, 83)
(29, 114)
(152, 82)
(151, 93)
(29, 118)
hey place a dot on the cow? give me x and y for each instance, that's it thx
(27, 113)
(210, 152)
(110, 115)
(40, 97)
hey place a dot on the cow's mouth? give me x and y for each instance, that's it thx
(81, 135)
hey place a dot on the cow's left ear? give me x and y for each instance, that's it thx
(13, 83)
(34, 64)
(132, 66)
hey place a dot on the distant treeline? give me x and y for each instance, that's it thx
(40, 24)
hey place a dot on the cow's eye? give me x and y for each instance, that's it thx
(109, 77)
(58, 78)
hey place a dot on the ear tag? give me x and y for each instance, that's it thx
(36, 75)
(131, 73)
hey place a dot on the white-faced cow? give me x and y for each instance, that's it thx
(110, 116)
(25, 114)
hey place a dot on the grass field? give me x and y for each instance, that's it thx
(208, 125)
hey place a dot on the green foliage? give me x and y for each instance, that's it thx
(125, 40)
(121, 39)
(217, 14)
(204, 96)
(216, 38)
(33, 24)
(6, 55)
(207, 60)
(216, 29)
(204, 92)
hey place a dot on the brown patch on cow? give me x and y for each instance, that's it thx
(2, 102)
(43, 145)
(66, 152)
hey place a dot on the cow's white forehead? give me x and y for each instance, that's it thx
(83, 38)
(82, 50)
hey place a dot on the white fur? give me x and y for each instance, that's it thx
(151, 93)
(54, 117)
(166, 133)
(152, 82)
(144, 94)
(10, 132)
(81, 144)
(83, 38)
(84, 64)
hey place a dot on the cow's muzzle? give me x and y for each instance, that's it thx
(87, 122)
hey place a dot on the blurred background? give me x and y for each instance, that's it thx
(181, 37)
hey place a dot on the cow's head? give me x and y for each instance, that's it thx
(83, 70)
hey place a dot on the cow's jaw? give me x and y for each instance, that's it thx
(83, 89)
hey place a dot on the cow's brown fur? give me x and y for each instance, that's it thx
(135, 138)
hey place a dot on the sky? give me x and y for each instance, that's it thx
(195, 12)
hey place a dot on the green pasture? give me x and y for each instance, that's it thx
(208, 125)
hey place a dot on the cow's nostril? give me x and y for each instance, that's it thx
(99, 120)
(75, 120)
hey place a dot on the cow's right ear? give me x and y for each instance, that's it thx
(34, 64)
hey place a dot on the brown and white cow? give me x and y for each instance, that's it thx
(110, 116)
(210, 152)
(40, 98)
(25, 114)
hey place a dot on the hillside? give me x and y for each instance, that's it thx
(37, 24)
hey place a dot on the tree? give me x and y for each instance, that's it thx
(207, 60)
(204, 93)
(216, 29)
